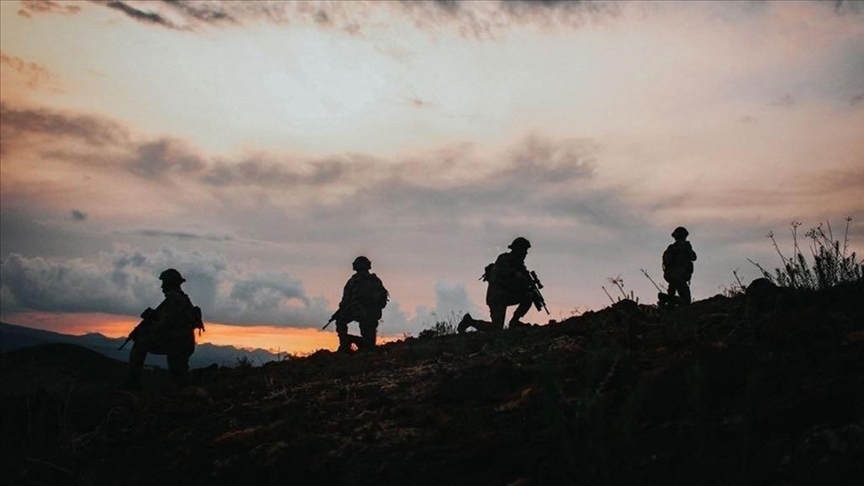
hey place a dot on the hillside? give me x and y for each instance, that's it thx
(764, 388)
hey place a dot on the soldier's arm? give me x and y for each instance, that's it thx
(347, 294)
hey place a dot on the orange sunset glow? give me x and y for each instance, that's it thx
(279, 341)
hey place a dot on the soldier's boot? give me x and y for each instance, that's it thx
(518, 314)
(344, 343)
(466, 323)
(517, 324)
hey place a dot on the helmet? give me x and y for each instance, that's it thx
(361, 263)
(680, 232)
(520, 244)
(172, 276)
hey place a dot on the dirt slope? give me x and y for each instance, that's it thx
(765, 390)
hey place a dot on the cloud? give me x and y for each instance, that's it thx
(30, 7)
(263, 171)
(785, 101)
(126, 281)
(543, 161)
(94, 130)
(541, 179)
(486, 20)
(451, 302)
(844, 7)
(78, 215)
(181, 235)
(157, 159)
(141, 15)
(36, 75)
(471, 19)
(530, 168)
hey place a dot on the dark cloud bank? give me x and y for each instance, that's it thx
(126, 281)
(349, 17)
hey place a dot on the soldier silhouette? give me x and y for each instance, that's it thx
(509, 283)
(678, 269)
(363, 299)
(168, 330)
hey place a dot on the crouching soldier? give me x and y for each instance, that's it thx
(167, 330)
(509, 283)
(363, 299)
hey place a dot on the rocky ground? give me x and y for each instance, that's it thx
(765, 388)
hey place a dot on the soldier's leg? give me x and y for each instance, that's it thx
(344, 337)
(520, 312)
(676, 292)
(673, 291)
(684, 292)
(497, 313)
(368, 334)
(136, 361)
(466, 323)
(178, 366)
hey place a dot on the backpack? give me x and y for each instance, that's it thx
(676, 263)
(373, 292)
(195, 318)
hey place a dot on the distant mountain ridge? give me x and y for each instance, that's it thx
(13, 337)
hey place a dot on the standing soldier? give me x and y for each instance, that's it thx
(363, 299)
(678, 267)
(510, 283)
(167, 330)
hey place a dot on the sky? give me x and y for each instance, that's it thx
(259, 147)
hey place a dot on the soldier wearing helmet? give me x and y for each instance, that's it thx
(678, 267)
(363, 299)
(509, 283)
(168, 330)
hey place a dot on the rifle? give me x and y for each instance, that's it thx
(340, 312)
(332, 318)
(536, 296)
(147, 317)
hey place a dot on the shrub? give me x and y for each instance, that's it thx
(831, 264)
(441, 327)
(243, 363)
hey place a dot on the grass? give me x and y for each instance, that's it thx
(830, 263)
(618, 282)
(442, 327)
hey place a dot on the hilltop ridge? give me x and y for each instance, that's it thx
(732, 390)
